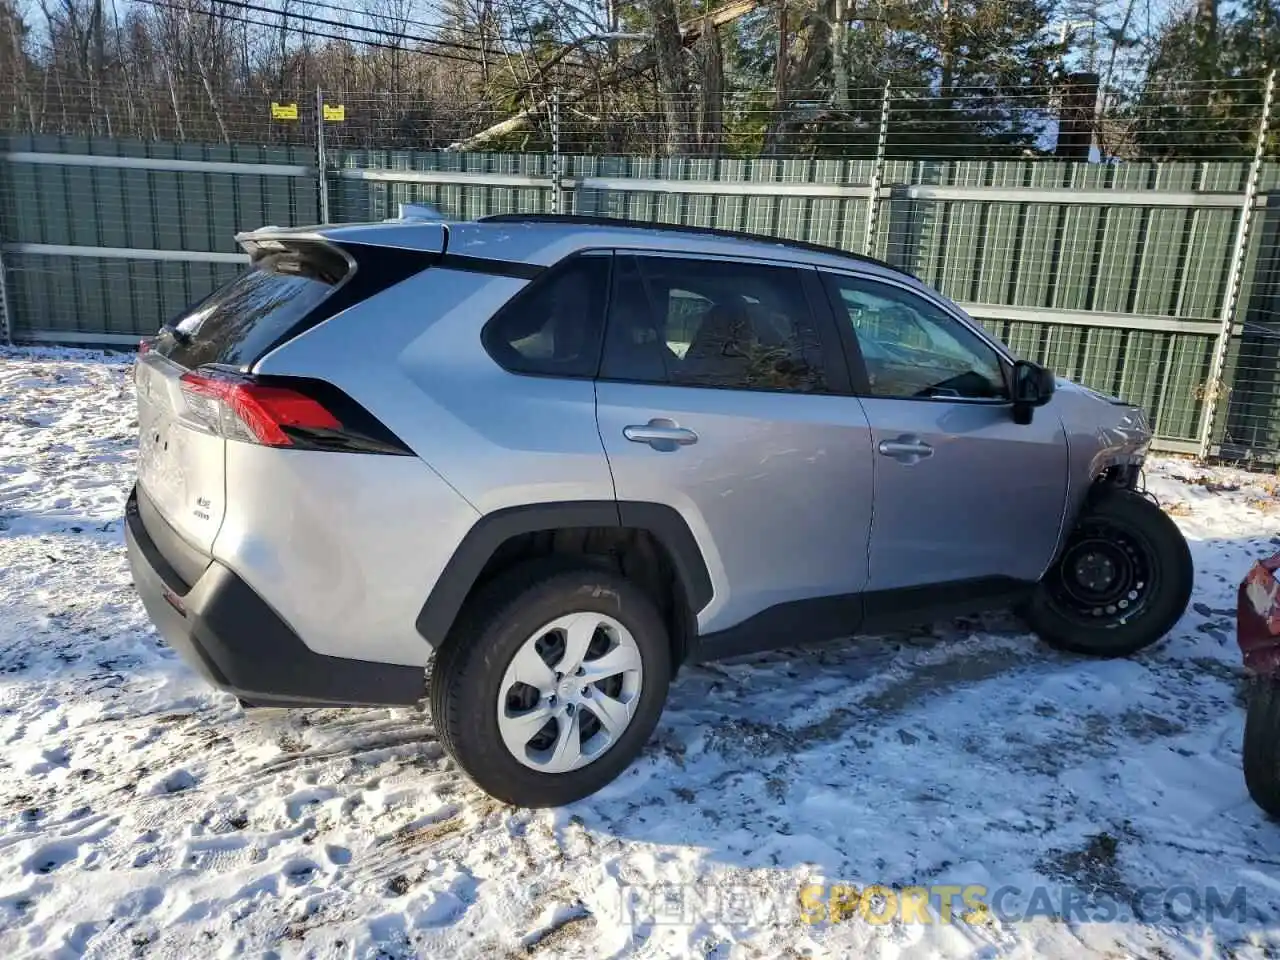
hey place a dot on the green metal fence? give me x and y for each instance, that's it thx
(1118, 275)
(103, 240)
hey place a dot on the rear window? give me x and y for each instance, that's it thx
(238, 323)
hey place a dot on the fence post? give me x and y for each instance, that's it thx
(556, 175)
(6, 314)
(322, 179)
(877, 176)
(1214, 384)
(6, 326)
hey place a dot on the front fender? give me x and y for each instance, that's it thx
(1105, 438)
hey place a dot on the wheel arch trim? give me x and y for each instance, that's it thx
(460, 574)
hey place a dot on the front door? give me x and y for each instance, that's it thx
(962, 493)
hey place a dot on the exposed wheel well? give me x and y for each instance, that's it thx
(1116, 476)
(634, 553)
(1124, 475)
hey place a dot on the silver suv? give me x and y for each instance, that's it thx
(554, 458)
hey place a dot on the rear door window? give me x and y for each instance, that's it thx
(687, 321)
(238, 323)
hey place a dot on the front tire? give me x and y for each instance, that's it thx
(551, 682)
(1122, 582)
(1261, 751)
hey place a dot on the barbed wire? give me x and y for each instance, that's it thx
(1187, 122)
(740, 125)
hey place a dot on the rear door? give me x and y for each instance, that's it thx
(718, 396)
(962, 492)
(181, 468)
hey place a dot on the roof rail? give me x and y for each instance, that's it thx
(588, 221)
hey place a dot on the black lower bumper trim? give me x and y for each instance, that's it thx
(225, 631)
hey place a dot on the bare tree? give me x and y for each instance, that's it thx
(673, 80)
(802, 60)
(610, 78)
(15, 66)
(710, 54)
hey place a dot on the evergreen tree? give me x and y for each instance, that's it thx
(1228, 53)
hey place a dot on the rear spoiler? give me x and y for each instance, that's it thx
(414, 234)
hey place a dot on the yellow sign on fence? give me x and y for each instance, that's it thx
(284, 111)
(335, 112)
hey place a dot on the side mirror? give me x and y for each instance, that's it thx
(1033, 387)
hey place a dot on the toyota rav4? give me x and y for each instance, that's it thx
(526, 467)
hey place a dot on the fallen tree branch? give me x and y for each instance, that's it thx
(638, 63)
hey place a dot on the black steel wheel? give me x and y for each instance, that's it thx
(1105, 575)
(1121, 582)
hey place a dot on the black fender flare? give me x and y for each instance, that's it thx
(664, 523)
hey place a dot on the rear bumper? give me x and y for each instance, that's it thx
(220, 627)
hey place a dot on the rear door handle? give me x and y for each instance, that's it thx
(907, 448)
(661, 434)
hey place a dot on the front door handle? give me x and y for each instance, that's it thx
(907, 448)
(661, 434)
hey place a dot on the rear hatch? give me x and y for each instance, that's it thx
(182, 445)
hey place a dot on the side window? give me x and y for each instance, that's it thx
(554, 326)
(712, 323)
(914, 349)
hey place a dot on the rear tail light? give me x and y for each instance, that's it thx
(241, 409)
(282, 412)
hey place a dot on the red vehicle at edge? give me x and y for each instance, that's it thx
(1258, 633)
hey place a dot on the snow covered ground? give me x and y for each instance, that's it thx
(143, 814)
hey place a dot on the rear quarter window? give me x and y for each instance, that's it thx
(554, 326)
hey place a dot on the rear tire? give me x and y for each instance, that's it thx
(479, 695)
(1261, 750)
(1122, 582)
